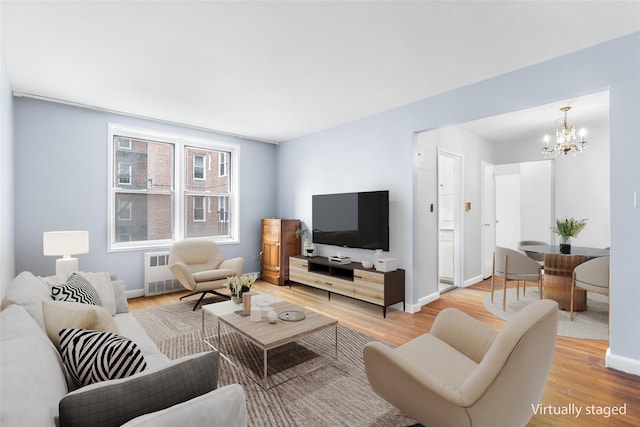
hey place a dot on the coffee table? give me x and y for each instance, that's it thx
(266, 336)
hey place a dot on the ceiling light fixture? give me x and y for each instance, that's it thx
(565, 140)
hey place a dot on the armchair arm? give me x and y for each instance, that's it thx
(235, 264)
(183, 274)
(413, 390)
(464, 333)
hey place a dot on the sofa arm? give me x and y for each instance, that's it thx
(235, 264)
(115, 402)
(225, 406)
(464, 333)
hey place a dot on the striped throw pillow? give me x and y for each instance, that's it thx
(76, 289)
(94, 356)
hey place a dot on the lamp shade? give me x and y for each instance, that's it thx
(65, 243)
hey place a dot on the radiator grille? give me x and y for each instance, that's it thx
(158, 279)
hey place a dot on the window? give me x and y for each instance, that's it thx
(124, 173)
(198, 209)
(198, 167)
(160, 191)
(124, 143)
(223, 164)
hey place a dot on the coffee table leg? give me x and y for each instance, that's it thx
(264, 379)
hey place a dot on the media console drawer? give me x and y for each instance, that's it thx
(351, 280)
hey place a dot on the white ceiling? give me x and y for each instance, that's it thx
(274, 70)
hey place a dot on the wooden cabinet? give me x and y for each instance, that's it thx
(351, 280)
(279, 242)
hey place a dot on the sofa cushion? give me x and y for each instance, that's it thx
(93, 356)
(226, 406)
(29, 291)
(120, 296)
(76, 289)
(101, 282)
(32, 375)
(113, 403)
(73, 315)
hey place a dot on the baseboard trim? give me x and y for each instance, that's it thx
(134, 293)
(621, 363)
(472, 281)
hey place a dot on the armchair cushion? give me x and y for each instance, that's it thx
(115, 402)
(211, 275)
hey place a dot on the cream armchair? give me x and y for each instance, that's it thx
(464, 373)
(200, 267)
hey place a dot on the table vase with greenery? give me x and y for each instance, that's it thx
(238, 285)
(567, 228)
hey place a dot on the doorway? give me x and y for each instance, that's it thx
(449, 220)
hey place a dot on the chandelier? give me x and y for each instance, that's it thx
(565, 140)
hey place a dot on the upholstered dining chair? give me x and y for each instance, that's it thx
(591, 276)
(464, 373)
(533, 255)
(201, 268)
(514, 265)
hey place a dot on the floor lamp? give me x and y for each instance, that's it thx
(65, 243)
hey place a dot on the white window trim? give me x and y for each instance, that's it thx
(180, 142)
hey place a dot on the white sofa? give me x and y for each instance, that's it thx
(35, 390)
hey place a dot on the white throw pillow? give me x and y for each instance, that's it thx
(65, 315)
(102, 283)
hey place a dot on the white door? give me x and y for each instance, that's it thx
(488, 218)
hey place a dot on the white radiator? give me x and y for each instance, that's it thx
(158, 279)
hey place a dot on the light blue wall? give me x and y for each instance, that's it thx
(7, 267)
(61, 181)
(377, 152)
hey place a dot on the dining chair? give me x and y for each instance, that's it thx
(533, 255)
(514, 265)
(591, 276)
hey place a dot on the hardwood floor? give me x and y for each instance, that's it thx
(578, 381)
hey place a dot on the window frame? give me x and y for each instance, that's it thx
(178, 192)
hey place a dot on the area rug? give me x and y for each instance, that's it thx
(337, 394)
(589, 324)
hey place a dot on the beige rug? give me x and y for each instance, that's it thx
(337, 394)
(589, 324)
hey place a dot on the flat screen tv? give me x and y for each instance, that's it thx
(353, 220)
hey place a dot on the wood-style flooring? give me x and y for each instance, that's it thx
(578, 381)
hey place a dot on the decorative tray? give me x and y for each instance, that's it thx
(292, 316)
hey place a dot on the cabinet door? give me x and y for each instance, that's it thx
(369, 286)
(270, 265)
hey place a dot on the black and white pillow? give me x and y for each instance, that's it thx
(94, 356)
(76, 289)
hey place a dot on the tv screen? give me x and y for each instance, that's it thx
(354, 220)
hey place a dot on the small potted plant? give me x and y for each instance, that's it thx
(308, 249)
(239, 285)
(567, 228)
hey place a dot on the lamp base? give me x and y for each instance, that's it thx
(66, 265)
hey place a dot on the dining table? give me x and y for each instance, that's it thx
(558, 272)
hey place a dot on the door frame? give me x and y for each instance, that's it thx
(458, 178)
